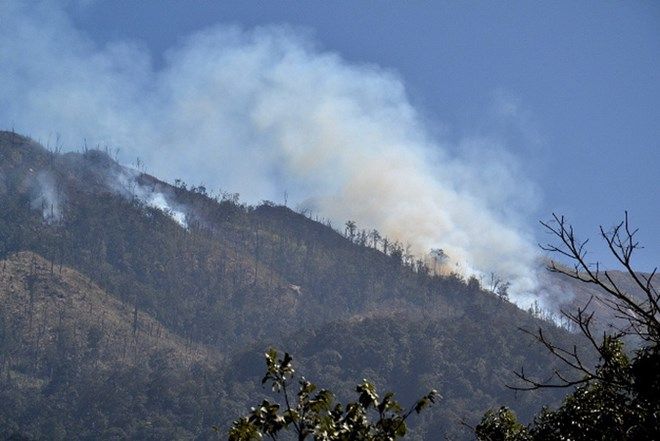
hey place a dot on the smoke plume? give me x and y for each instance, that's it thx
(46, 197)
(126, 183)
(264, 111)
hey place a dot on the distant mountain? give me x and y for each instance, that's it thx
(133, 308)
(591, 298)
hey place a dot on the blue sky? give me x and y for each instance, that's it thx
(571, 89)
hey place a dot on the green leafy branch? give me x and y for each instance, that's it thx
(316, 415)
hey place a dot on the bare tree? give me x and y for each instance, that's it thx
(439, 257)
(386, 243)
(350, 230)
(374, 235)
(639, 313)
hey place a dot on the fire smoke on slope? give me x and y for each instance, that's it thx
(46, 197)
(126, 183)
(263, 112)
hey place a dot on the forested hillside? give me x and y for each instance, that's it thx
(132, 308)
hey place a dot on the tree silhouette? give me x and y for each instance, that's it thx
(351, 227)
(618, 399)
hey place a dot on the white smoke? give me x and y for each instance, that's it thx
(126, 183)
(46, 197)
(158, 200)
(264, 111)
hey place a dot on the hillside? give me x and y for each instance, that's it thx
(76, 362)
(45, 309)
(132, 268)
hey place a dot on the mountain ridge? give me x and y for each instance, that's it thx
(232, 280)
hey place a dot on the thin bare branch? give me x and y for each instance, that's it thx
(642, 317)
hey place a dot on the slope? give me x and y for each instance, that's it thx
(44, 307)
(77, 363)
(215, 272)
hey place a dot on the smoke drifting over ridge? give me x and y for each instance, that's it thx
(263, 112)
